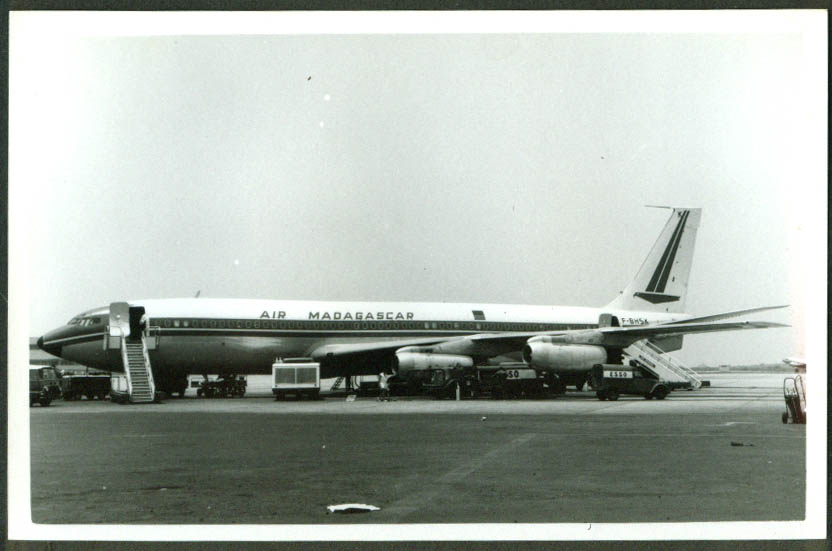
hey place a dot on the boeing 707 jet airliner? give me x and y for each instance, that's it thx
(203, 335)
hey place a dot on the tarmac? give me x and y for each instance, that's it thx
(715, 454)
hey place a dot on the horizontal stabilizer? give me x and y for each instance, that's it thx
(726, 315)
(625, 336)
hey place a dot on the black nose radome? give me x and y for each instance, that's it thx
(54, 349)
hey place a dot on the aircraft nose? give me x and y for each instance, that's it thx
(54, 349)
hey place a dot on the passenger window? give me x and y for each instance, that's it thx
(176, 323)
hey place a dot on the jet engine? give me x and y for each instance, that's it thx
(563, 357)
(409, 361)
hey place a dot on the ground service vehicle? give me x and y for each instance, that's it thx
(297, 376)
(44, 385)
(448, 382)
(229, 386)
(119, 390)
(171, 381)
(795, 394)
(87, 382)
(505, 380)
(515, 380)
(612, 380)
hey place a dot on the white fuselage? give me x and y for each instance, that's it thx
(203, 335)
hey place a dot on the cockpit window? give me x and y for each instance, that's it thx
(86, 321)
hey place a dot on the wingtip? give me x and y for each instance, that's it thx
(766, 324)
(671, 207)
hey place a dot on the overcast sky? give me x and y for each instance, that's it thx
(462, 168)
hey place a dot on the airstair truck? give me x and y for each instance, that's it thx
(297, 376)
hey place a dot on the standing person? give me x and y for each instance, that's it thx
(383, 387)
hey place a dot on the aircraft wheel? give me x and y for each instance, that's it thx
(785, 417)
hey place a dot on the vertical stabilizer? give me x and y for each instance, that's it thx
(661, 283)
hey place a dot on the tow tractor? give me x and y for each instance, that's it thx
(612, 380)
(795, 395)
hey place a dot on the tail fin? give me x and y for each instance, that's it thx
(661, 283)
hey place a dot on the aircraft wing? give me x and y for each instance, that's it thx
(492, 344)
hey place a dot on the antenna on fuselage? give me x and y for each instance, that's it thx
(197, 293)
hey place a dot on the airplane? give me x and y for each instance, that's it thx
(799, 364)
(244, 336)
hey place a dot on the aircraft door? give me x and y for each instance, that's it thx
(119, 319)
(136, 321)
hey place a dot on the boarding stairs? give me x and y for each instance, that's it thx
(337, 384)
(663, 365)
(137, 369)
